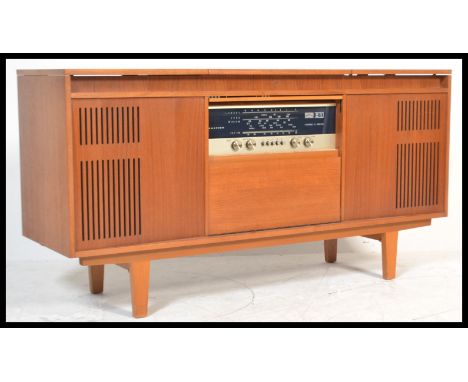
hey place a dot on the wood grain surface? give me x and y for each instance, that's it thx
(271, 191)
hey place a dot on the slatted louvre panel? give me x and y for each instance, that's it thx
(109, 125)
(418, 115)
(110, 198)
(418, 167)
(109, 161)
(420, 153)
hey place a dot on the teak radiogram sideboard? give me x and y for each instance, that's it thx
(122, 166)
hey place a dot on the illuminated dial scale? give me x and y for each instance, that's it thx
(261, 129)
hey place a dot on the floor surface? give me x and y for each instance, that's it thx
(290, 283)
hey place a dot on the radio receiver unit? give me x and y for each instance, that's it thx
(125, 167)
(263, 129)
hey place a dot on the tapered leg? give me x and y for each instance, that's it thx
(389, 254)
(139, 284)
(331, 248)
(96, 278)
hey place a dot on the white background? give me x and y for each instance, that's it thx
(443, 235)
(242, 26)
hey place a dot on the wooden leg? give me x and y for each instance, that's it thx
(139, 284)
(389, 254)
(331, 248)
(96, 278)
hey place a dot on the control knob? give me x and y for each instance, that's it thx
(250, 144)
(294, 143)
(308, 142)
(236, 145)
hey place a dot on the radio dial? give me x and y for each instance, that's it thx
(250, 144)
(308, 142)
(236, 145)
(294, 143)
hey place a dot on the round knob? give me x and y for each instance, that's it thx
(250, 144)
(308, 142)
(294, 143)
(236, 145)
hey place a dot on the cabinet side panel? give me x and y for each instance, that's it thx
(43, 147)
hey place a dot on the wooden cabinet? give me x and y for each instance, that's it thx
(115, 166)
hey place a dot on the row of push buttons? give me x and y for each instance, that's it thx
(268, 143)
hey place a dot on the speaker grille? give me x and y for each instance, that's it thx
(109, 125)
(418, 115)
(110, 198)
(417, 174)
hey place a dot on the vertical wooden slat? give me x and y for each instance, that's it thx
(423, 174)
(432, 114)
(124, 199)
(418, 155)
(97, 125)
(86, 125)
(138, 122)
(415, 174)
(82, 202)
(133, 124)
(123, 124)
(405, 168)
(424, 115)
(128, 124)
(108, 199)
(438, 115)
(420, 114)
(112, 115)
(426, 199)
(129, 195)
(98, 200)
(81, 128)
(430, 173)
(429, 114)
(92, 200)
(397, 168)
(405, 116)
(113, 198)
(134, 200)
(117, 122)
(410, 172)
(139, 196)
(119, 200)
(102, 125)
(104, 193)
(398, 116)
(91, 127)
(87, 200)
(107, 125)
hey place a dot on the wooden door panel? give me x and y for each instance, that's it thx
(139, 170)
(395, 155)
(249, 193)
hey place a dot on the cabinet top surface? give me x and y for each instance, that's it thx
(227, 72)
